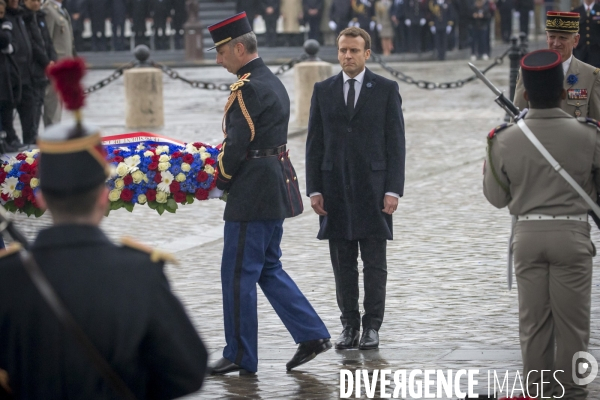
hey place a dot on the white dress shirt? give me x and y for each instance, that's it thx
(357, 86)
(588, 8)
(567, 64)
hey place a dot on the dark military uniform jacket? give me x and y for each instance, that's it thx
(588, 49)
(256, 118)
(121, 299)
(353, 161)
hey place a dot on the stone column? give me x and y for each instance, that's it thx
(144, 98)
(306, 74)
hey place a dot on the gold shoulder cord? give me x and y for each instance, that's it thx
(236, 93)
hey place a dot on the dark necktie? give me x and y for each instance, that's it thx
(351, 97)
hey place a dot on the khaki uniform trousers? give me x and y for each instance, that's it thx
(52, 107)
(553, 265)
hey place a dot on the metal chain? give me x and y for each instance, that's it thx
(422, 84)
(289, 65)
(113, 77)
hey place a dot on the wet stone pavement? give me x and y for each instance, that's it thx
(447, 307)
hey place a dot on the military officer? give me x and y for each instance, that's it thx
(59, 25)
(582, 81)
(255, 170)
(552, 247)
(588, 49)
(161, 11)
(118, 294)
(98, 11)
(139, 10)
(180, 17)
(441, 18)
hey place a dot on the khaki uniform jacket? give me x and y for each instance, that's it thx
(533, 186)
(588, 78)
(60, 28)
(291, 10)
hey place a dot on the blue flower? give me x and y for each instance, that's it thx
(572, 79)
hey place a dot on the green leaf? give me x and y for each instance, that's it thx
(189, 198)
(170, 210)
(171, 205)
(224, 197)
(160, 208)
(152, 204)
(39, 212)
(128, 206)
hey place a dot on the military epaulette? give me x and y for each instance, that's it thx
(497, 129)
(243, 80)
(590, 121)
(155, 255)
(11, 249)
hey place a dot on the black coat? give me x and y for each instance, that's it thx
(41, 18)
(441, 15)
(589, 27)
(98, 11)
(22, 56)
(42, 53)
(363, 12)
(180, 14)
(259, 188)
(139, 10)
(121, 300)
(118, 11)
(312, 4)
(160, 10)
(77, 7)
(354, 161)
(251, 7)
(264, 4)
(340, 12)
(8, 73)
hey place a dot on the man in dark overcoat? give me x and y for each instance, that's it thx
(355, 154)
(117, 294)
(118, 9)
(180, 16)
(270, 11)
(313, 12)
(98, 11)
(588, 48)
(139, 10)
(340, 15)
(256, 171)
(160, 11)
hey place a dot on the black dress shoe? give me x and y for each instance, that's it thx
(307, 351)
(348, 339)
(224, 366)
(369, 339)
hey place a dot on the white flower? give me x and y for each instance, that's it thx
(132, 162)
(8, 168)
(30, 160)
(163, 166)
(204, 155)
(114, 195)
(185, 167)
(122, 169)
(10, 185)
(161, 197)
(190, 148)
(34, 182)
(140, 147)
(16, 194)
(164, 185)
(142, 199)
(164, 158)
(138, 176)
(162, 149)
(180, 177)
(209, 169)
(119, 183)
(148, 153)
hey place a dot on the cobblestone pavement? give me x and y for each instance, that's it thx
(447, 301)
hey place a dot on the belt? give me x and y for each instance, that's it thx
(543, 217)
(265, 152)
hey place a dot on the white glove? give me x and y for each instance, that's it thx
(422, 21)
(432, 30)
(8, 50)
(332, 25)
(448, 29)
(215, 193)
(407, 22)
(379, 27)
(7, 25)
(372, 25)
(517, 14)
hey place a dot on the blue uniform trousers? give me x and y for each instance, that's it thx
(251, 255)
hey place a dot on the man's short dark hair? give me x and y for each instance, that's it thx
(248, 40)
(355, 32)
(76, 205)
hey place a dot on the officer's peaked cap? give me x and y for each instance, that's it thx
(229, 29)
(562, 21)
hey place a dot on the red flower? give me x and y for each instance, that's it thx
(4, 196)
(2, 176)
(202, 176)
(201, 194)
(188, 158)
(33, 202)
(179, 197)
(25, 178)
(155, 158)
(21, 156)
(176, 154)
(153, 166)
(128, 180)
(151, 195)
(126, 195)
(210, 161)
(174, 186)
(25, 167)
(116, 151)
(158, 177)
(199, 144)
(117, 158)
(20, 202)
(27, 192)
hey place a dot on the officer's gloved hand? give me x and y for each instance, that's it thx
(215, 193)
(332, 25)
(517, 14)
(7, 26)
(407, 22)
(372, 25)
(379, 27)
(422, 21)
(432, 28)
(448, 29)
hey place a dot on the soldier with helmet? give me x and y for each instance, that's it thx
(552, 246)
(581, 80)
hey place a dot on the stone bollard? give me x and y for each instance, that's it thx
(143, 94)
(306, 74)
